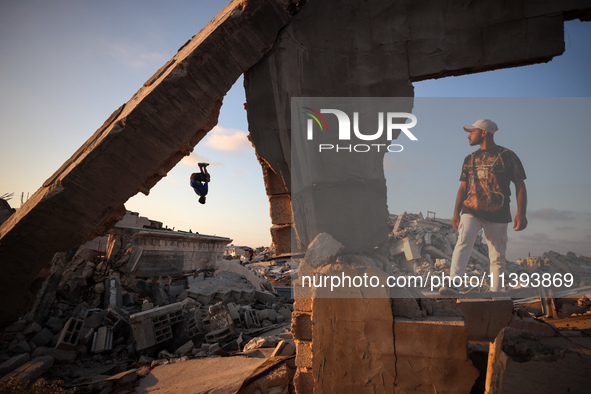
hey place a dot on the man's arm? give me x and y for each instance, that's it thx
(461, 197)
(520, 221)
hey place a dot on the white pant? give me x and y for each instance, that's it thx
(496, 237)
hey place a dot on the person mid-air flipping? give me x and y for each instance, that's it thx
(199, 182)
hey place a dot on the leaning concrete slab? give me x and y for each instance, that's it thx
(136, 146)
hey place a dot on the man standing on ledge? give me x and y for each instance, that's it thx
(200, 181)
(483, 201)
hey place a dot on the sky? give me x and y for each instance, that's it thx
(67, 65)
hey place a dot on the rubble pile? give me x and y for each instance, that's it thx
(92, 321)
(424, 246)
(277, 272)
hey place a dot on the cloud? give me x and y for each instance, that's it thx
(565, 228)
(552, 214)
(194, 159)
(134, 56)
(228, 140)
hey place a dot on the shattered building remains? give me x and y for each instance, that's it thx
(374, 49)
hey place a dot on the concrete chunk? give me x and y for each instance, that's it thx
(519, 362)
(13, 363)
(68, 339)
(432, 355)
(485, 318)
(322, 249)
(30, 370)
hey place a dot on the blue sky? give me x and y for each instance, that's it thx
(67, 65)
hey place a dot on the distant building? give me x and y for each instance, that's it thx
(141, 247)
(236, 251)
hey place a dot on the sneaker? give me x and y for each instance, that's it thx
(449, 291)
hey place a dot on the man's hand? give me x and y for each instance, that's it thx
(456, 222)
(520, 222)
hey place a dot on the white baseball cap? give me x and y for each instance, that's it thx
(483, 124)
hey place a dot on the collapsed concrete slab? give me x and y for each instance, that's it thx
(135, 148)
(519, 362)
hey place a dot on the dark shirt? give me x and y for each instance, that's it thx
(200, 188)
(489, 174)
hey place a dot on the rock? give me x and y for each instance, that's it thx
(260, 342)
(19, 347)
(519, 362)
(322, 249)
(32, 329)
(43, 337)
(185, 349)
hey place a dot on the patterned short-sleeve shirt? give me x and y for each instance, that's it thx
(489, 173)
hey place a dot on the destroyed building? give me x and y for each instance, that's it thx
(111, 312)
(285, 49)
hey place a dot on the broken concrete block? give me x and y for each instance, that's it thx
(64, 356)
(19, 347)
(265, 297)
(261, 342)
(159, 295)
(175, 289)
(284, 348)
(55, 324)
(530, 324)
(68, 339)
(115, 318)
(484, 318)
(13, 363)
(155, 325)
(185, 349)
(113, 292)
(251, 319)
(219, 317)
(221, 335)
(95, 318)
(519, 362)
(234, 310)
(411, 249)
(285, 312)
(268, 314)
(194, 326)
(43, 337)
(432, 356)
(322, 249)
(129, 299)
(102, 340)
(124, 378)
(213, 349)
(32, 329)
(30, 370)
